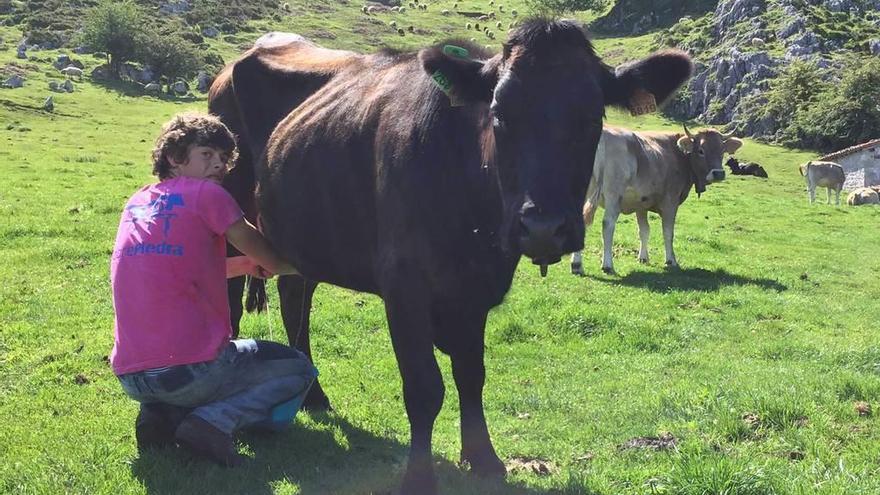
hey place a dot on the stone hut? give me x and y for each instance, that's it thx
(861, 164)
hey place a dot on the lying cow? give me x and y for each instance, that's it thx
(863, 196)
(823, 174)
(650, 171)
(748, 168)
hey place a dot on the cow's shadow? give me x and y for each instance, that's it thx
(696, 279)
(330, 456)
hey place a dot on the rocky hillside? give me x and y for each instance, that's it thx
(743, 45)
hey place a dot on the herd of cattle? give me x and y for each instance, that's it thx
(423, 177)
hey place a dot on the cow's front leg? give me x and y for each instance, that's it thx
(828, 195)
(411, 336)
(668, 217)
(295, 294)
(577, 264)
(609, 222)
(837, 196)
(463, 335)
(811, 193)
(644, 234)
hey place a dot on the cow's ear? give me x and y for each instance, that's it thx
(732, 144)
(642, 84)
(462, 78)
(685, 144)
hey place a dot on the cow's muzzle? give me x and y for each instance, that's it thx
(543, 238)
(715, 175)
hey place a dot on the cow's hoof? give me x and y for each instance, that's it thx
(609, 270)
(643, 261)
(578, 270)
(418, 482)
(672, 265)
(486, 465)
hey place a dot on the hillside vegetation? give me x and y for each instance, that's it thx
(753, 369)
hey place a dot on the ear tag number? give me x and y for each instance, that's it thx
(642, 102)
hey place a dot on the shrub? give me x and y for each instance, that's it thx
(558, 7)
(170, 55)
(115, 28)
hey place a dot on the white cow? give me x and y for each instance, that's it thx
(823, 174)
(638, 172)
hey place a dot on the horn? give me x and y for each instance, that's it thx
(727, 136)
(686, 131)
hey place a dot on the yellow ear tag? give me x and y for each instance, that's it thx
(642, 102)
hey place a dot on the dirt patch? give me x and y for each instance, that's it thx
(81, 379)
(538, 467)
(862, 408)
(664, 442)
(752, 419)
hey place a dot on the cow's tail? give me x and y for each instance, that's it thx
(256, 295)
(592, 202)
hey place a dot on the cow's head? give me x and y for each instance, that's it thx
(547, 92)
(705, 151)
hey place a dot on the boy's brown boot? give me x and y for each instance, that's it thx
(156, 423)
(208, 441)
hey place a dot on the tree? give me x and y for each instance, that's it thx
(115, 28)
(170, 55)
(559, 7)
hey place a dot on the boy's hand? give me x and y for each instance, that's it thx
(247, 239)
(243, 265)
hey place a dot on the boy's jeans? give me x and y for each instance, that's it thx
(236, 390)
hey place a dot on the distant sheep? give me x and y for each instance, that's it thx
(72, 72)
(444, 12)
(757, 43)
(468, 26)
(401, 32)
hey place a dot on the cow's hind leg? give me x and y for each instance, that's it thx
(577, 264)
(609, 222)
(409, 322)
(644, 234)
(668, 217)
(828, 195)
(460, 334)
(296, 293)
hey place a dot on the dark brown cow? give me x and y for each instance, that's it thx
(380, 181)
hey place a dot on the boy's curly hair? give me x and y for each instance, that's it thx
(191, 129)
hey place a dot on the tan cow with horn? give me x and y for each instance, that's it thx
(638, 172)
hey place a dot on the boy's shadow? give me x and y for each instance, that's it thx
(328, 456)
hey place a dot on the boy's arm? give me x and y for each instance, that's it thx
(247, 239)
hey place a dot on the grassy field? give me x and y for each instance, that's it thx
(751, 357)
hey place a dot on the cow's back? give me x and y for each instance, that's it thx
(635, 167)
(375, 169)
(826, 174)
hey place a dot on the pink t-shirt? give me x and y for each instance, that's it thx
(168, 273)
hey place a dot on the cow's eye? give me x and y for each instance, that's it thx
(701, 152)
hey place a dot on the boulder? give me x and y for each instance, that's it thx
(101, 72)
(49, 104)
(874, 46)
(179, 88)
(13, 82)
(22, 52)
(81, 50)
(62, 61)
(154, 88)
(204, 82)
(210, 32)
(54, 86)
(174, 7)
(66, 86)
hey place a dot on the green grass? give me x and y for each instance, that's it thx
(772, 318)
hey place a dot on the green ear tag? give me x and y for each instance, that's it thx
(442, 81)
(455, 51)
